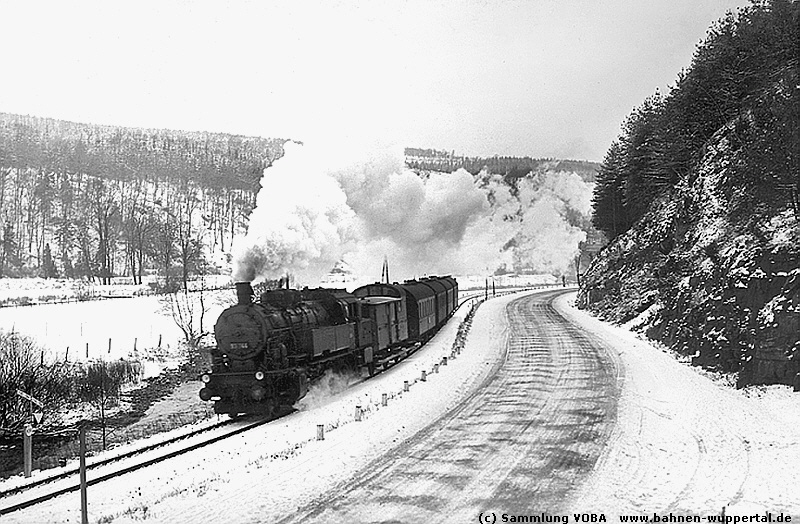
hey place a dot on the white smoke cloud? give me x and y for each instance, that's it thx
(301, 223)
(547, 241)
(317, 207)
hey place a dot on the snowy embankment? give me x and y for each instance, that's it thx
(276, 468)
(687, 444)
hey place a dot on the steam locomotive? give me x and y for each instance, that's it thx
(269, 349)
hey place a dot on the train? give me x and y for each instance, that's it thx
(270, 348)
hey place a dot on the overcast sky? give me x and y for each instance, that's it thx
(539, 77)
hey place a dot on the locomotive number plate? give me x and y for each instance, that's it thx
(238, 345)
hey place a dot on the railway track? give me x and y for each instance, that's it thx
(42, 490)
(102, 461)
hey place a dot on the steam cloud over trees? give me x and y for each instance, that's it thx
(316, 208)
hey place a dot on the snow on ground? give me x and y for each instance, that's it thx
(32, 290)
(687, 444)
(683, 443)
(278, 467)
(144, 323)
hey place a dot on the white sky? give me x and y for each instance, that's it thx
(538, 77)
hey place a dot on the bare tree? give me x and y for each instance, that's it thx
(105, 212)
(102, 384)
(188, 312)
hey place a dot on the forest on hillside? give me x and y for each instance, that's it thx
(700, 197)
(744, 75)
(93, 201)
(510, 167)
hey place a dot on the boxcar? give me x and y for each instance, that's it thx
(385, 306)
(452, 293)
(421, 305)
(440, 298)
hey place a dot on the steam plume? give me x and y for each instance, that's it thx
(318, 207)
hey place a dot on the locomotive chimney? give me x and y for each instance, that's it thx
(244, 292)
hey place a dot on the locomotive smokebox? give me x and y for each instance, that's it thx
(244, 293)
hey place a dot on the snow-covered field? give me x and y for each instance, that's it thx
(144, 323)
(32, 290)
(683, 442)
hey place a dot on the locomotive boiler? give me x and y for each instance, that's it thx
(269, 348)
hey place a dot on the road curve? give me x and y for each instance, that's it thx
(519, 444)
